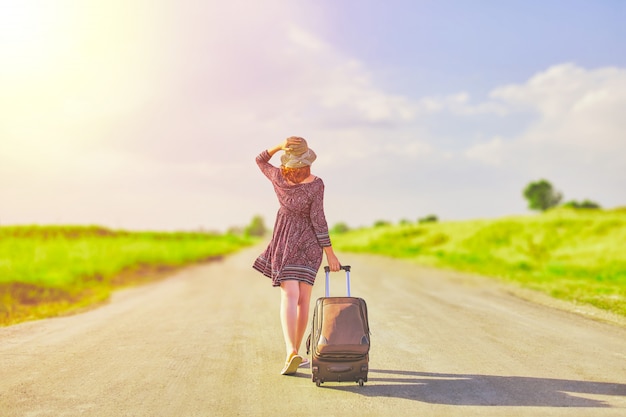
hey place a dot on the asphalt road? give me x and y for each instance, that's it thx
(207, 342)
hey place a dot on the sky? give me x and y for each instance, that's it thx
(148, 114)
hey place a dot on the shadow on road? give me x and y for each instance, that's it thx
(483, 390)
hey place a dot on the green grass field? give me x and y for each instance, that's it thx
(48, 270)
(575, 255)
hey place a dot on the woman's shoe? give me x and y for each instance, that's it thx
(304, 363)
(292, 364)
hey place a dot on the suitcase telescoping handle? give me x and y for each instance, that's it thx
(345, 268)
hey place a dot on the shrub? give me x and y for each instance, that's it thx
(340, 228)
(431, 218)
(381, 223)
(586, 204)
(256, 227)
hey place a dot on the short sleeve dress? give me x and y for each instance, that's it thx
(300, 231)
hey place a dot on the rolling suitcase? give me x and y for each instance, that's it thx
(339, 342)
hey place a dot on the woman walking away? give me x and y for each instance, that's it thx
(300, 238)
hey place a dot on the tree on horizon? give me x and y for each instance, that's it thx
(541, 195)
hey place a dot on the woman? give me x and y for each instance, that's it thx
(300, 238)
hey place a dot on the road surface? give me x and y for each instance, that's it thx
(207, 342)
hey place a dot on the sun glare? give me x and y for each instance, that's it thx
(28, 35)
(71, 73)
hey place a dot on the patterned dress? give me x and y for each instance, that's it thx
(300, 231)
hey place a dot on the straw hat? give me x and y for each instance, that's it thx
(298, 155)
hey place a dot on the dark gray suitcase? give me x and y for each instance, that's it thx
(339, 342)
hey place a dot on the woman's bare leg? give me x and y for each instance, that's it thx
(304, 301)
(294, 313)
(289, 295)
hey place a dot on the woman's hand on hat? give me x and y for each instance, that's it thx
(286, 145)
(283, 146)
(290, 142)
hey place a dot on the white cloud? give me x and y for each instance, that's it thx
(412, 149)
(332, 85)
(487, 152)
(305, 40)
(578, 111)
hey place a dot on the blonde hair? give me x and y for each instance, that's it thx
(295, 175)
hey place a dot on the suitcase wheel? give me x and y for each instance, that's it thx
(361, 382)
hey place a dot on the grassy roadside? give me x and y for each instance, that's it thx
(46, 271)
(574, 255)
